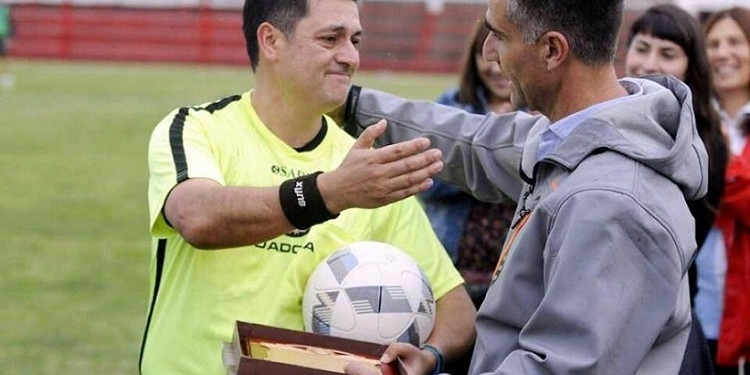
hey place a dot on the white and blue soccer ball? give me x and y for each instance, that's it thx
(369, 291)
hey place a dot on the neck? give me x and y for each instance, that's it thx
(582, 87)
(285, 114)
(732, 101)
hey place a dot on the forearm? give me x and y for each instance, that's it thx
(454, 330)
(210, 216)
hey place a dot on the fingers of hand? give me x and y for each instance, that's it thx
(355, 368)
(413, 182)
(429, 160)
(397, 163)
(406, 177)
(404, 357)
(414, 169)
(397, 349)
(398, 151)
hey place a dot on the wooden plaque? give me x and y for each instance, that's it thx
(261, 350)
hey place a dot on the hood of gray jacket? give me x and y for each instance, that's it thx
(655, 125)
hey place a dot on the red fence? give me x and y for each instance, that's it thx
(399, 36)
(182, 35)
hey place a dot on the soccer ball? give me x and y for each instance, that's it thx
(369, 291)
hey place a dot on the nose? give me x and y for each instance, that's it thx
(489, 51)
(651, 64)
(721, 49)
(348, 54)
(495, 68)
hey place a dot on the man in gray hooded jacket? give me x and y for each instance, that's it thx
(592, 277)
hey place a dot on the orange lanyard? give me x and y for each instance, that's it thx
(508, 245)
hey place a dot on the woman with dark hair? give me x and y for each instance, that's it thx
(668, 40)
(723, 300)
(482, 88)
(472, 232)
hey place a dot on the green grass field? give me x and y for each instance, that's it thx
(73, 213)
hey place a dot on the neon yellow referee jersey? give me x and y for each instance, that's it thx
(197, 295)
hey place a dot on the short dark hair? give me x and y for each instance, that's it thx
(591, 27)
(283, 14)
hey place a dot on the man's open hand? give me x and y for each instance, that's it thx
(369, 178)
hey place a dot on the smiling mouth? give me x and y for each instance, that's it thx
(725, 70)
(340, 77)
(502, 82)
(340, 71)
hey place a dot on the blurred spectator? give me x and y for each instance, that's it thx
(668, 40)
(6, 78)
(472, 231)
(723, 299)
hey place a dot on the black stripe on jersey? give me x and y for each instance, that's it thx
(175, 142)
(217, 105)
(161, 249)
(175, 133)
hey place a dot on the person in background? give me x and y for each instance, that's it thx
(6, 77)
(723, 299)
(666, 39)
(248, 194)
(472, 231)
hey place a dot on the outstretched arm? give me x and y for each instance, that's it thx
(481, 153)
(211, 216)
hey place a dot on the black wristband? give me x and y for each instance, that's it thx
(350, 111)
(301, 202)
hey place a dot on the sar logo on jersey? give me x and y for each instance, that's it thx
(287, 172)
(298, 232)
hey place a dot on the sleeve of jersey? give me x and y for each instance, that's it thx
(406, 226)
(179, 149)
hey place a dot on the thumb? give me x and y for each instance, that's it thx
(394, 350)
(367, 139)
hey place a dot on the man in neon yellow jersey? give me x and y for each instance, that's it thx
(240, 216)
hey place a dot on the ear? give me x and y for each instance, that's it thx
(555, 49)
(269, 41)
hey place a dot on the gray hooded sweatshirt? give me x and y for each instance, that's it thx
(594, 281)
